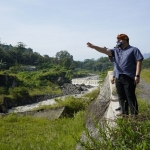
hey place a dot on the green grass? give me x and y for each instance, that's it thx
(1, 98)
(145, 74)
(75, 104)
(63, 134)
(130, 133)
(45, 90)
(28, 133)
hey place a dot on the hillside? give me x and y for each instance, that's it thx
(146, 55)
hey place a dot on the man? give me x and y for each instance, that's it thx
(127, 64)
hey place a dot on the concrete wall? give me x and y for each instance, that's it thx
(103, 108)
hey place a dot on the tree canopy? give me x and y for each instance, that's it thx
(19, 55)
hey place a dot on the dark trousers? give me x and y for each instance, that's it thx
(126, 93)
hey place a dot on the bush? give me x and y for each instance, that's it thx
(3, 90)
(73, 104)
(130, 133)
(19, 92)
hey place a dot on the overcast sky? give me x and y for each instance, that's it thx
(49, 26)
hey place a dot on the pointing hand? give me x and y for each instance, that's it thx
(90, 45)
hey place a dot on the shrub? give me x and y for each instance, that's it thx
(3, 90)
(19, 92)
(129, 134)
(73, 104)
(132, 133)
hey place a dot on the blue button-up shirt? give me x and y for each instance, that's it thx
(125, 60)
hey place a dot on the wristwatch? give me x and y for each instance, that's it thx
(137, 76)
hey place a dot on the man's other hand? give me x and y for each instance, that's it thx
(136, 80)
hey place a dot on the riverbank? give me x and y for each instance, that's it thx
(66, 89)
(30, 107)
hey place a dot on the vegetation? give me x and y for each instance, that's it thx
(28, 133)
(39, 75)
(29, 84)
(128, 134)
(146, 63)
(17, 59)
(145, 74)
(74, 104)
(32, 133)
(2, 64)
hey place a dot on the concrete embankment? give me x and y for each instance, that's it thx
(103, 108)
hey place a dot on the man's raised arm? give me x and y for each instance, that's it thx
(100, 49)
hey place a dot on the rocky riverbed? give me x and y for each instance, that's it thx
(67, 89)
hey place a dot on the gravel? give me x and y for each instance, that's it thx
(144, 90)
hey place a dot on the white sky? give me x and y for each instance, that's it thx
(49, 26)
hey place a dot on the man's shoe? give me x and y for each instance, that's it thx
(118, 109)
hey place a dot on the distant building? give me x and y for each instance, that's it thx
(30, 68)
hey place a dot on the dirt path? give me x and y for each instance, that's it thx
(144, 90)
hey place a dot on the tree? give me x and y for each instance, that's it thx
(2, 64)
(63, 58)
(21, 46)
(66, 62)
(88, 64)
(78, 64)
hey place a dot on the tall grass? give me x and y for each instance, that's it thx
(145, 74)
(75, 104)
(64, 134)
(130, 133)
(45, 90)
(28, 133)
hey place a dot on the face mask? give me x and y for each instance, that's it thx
(119, 44)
